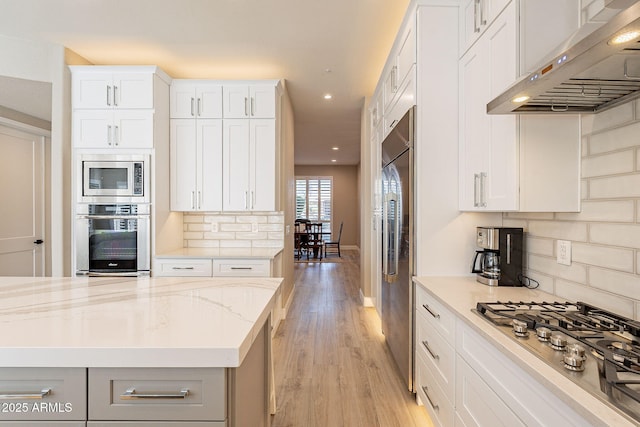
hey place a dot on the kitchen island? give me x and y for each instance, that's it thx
(110, 350)
(489, 368)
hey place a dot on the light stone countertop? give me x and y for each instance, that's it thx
(255, 253)
(461, 294)
(131, 322)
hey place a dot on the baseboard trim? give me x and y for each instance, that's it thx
(366, 301)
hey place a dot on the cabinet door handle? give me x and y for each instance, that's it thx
(131, 394)
(193, 200)
(483, 190)
(199, 199)
(27, 395)
(115, 95)
(393, 123)
(192, 106)
(394, 78)
(253, 200)
(242, 268)
(253, 107)
(109, 134)
(431, 312)
(246, 106)
(476, 178)
(182, 268)
(108, 95)
(116, 135)
(426, 393)
(246, 200)
(425, 343)
(483, 21)
(199, 106)
(476, 26)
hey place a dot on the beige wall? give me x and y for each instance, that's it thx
(605, 235)
(346, 202)
(287, 188)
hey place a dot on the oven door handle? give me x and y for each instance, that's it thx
(114, 216)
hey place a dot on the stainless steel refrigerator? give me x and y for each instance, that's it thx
(397, 243)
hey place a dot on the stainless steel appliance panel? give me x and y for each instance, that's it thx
(397, 244)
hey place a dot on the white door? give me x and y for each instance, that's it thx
(236, 101)
(209, 133)
(183, 164)
(262, 165)
(262, 101)
(235, 164)
(22, 207)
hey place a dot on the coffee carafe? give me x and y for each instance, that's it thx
(499, 261)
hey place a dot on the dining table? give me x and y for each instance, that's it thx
(309, 232)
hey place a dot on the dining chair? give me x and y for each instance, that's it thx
(333, 245)
(301, 238)
(315, 242)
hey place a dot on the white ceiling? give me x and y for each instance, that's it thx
(318, 46)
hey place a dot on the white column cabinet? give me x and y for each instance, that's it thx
(249, 101)
(196, 99)
(475, 17)
(501, 155)
(196, 165)
(249, 165)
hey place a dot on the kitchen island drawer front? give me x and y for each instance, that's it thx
(242, 267)
(436, 314)
(182, 267)
(432, 396)
(438, 353)
(43, 394)
(157, 394)
(155, 424)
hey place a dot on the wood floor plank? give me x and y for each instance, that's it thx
(332, 365)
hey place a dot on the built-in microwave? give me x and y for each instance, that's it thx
(113, 178)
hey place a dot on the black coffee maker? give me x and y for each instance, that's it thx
(499, 262)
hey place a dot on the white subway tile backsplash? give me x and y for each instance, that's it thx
(230, 230)
(614, 281)
(607, 119)
(602, 210)
(529, 215)
(614, 139)
(574, 272)
(545, 282)
(602, 256)
(538, 246)
(606, 300)
(564, 230)
(626, 235)
(626, 186)
(609, 164)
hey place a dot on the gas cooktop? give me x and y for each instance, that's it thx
(596, 349)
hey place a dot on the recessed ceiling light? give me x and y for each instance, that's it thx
(335, 148)
(328, 96)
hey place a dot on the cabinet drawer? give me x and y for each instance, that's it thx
(438, 353)
(432, 396)
(43, 394)
(436, 314)
(152, 394)
(182, 267)
(242, 267)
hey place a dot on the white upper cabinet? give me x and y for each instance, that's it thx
(249, 101)
(400, 63)
(102, 89)
(196, 165)
(195, 99)
(249, 165)
(502, 156)
(475, 17)
(113, 129)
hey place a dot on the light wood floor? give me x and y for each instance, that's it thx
(332, 366)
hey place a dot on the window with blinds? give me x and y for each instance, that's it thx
(314, 199)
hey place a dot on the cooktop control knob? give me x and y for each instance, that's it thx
(558, 342)
(574, 358)
(576, 350)
(543, 333)
(520, 328)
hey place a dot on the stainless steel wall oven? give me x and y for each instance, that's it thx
(113, 239)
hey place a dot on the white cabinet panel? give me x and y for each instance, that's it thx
(113, 129)
(262, 165)
(235, 152)
(434, 398)
(199, 99)
(98, 90)
(253, 101)
(196, 165)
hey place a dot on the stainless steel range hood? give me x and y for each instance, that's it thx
(593, 75)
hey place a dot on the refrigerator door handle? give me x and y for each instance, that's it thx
(391, 238)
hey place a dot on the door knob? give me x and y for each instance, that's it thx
(39, 242)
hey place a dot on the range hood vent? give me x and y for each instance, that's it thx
(591, 76)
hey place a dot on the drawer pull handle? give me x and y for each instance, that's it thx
(426, 393)
(426, 345)
(431, 312)
(182, 268)
(242, 268)
(34, 395)
(131, 394)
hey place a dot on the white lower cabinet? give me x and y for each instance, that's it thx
(242, 267)
(208, 267)
(463, 380)
(182, 267)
